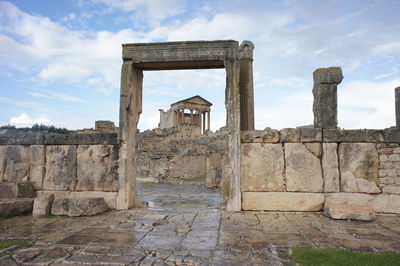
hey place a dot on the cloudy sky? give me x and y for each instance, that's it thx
(60, 60)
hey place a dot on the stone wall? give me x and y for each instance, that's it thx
(66, 166)
(181, 154)
(309, 169)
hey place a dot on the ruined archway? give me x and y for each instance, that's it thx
(185, 55)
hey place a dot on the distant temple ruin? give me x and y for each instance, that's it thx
(199, 113)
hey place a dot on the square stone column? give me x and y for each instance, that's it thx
(397, 103)
(325, 96)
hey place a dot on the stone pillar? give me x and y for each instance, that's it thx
(208, 120)
(130, 110)
(246, 86)
(204, 122)
(191, 116)
(397, 103)
(325, 96)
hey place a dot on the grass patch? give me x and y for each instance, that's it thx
(325, 257)
(20, 243)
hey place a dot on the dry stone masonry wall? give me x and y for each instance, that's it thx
(54, 166)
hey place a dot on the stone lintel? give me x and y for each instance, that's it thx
(337, 135)
(282, 201)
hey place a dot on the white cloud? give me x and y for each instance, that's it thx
(392, 47)
(59, 96)
(24, 120)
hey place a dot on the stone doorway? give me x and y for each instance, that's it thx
(185, 55)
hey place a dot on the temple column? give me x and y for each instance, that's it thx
(204, 122)
(208, 120)
(191, 116)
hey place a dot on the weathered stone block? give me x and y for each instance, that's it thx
(336, 135)
(359, 164)
(391, 135)
(375, 136)
(391, 190)
(381, 203)
(330, 167)
(330, 75)
(14, 163)
(325, 105)
(42, 205)
(270, 135)
(262, 167)
(282, 201)
(81, 139)
(349, 212)
(310, 134)
(251, 136)
(303, 167)
(79, 206)
(8, 190)
(25, 190)
(289, 135)
(187, 167)
(15, 207)
(97, 167)
(37, 165)
(16, 137)
(60, 167)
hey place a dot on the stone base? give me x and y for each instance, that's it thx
(348, 212)
(79, 207)
(42, 205)
(282, 201)
(15, 207)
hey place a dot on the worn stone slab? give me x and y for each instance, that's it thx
(391, 189)
(14, 163)
(97, 167)
(37, 165)
(380, 203)
(289, 135)
(60, 167)
(308, 134)
(375, 135)
(337, 135)
(325, 105)
(16, 137)
(303, 167)
(81, 139)
(259, 136)
(330, 167)
(282, 201)
(15, 207)
(330, 75)
(262, 167)
(42, 205)
(8, 190)
(359, 164)
(349, 212)
(79, 206)
(392, 135)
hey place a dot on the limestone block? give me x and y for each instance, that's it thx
(8, 190)
(289, 135)
(270, 135)
(303, 167)
(331, 75)
(349, 212)
(79, 206)
(25, 190)
(310, 134)
(187, 167)
(37, 165)
(60, 167)
(359, 164)
(391, 190)
(380, 203)
(15, 207)
(262, 167)
(42, 205)
(282, 201)
(336, 135)
(14, 163)
(330, 167)
(97, 167)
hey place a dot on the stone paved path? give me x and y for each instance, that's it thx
(185, 226)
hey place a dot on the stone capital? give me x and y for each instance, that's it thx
(246, 50)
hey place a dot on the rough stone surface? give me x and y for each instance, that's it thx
(359, 164)
(42, 205)
(282, 201)
(325, 105)
(25, 190)
(337, 135)
(14, 163)
(14, 207)
(60, 167)
(259, 136)
(97, 167)
(262, 167)
(349, 212)
(380, 203)
(8, 190)
(37, 165)
(188, 167)
(330, 75)
(79, 206)
(330, 167)
(289, 135)
(303, 167)
(308, 134)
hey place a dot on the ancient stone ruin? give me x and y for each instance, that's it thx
(350, 174)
